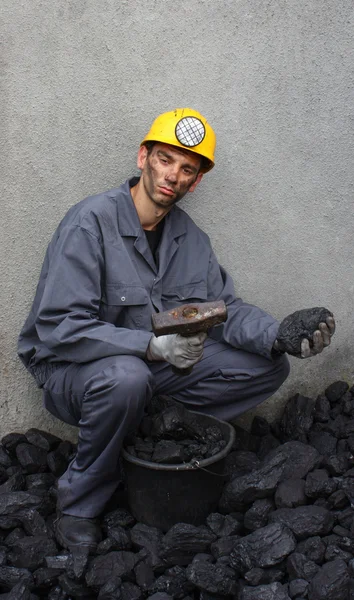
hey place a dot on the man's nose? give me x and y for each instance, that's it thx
(171, 174)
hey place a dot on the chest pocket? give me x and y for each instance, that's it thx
(184, 294)
(125, 306)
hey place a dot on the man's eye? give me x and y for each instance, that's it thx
(164, 160)
(187, 172)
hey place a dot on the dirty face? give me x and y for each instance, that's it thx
(168, 173)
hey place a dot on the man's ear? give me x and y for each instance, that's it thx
(142, 155)
(198, 180)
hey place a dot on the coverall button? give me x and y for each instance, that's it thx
(123, 298)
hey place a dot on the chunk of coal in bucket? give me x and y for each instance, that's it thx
(159, 402)
(168, 452)
(176, 422)
(299, 325)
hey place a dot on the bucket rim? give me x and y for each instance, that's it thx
(190, 466)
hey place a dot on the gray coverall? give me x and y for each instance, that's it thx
(86, 336)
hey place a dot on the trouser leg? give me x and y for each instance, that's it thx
(225, 383)
(106, 400)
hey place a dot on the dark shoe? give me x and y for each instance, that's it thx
(78, 532)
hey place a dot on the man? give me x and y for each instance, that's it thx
(115, 259)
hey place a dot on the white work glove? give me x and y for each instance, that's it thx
(182, 352)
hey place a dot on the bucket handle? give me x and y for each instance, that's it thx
(196, 463)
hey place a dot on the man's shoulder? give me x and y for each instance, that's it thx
(95, 207)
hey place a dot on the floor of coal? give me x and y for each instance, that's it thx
(283, 529)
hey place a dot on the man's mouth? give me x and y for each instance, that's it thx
(166, 191)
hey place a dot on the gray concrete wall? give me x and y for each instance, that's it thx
(83, 79)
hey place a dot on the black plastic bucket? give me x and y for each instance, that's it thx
(162, 495)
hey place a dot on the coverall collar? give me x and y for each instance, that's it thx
(128, 220)
(130, 226)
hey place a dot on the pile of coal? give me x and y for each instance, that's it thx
(283, 530)
(171, 434)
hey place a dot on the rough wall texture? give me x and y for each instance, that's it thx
(81, 82)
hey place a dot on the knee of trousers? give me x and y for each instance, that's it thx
(125, 382)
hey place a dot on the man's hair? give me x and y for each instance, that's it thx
(203, 163)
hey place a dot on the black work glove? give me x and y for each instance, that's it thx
(305, 332)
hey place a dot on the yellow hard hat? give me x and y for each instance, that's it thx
(185, 128)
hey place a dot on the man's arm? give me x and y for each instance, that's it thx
(67, 318)
(247, 326)
(254, 330)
